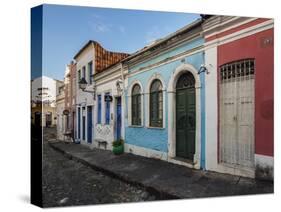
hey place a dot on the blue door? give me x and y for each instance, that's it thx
(89, 125)
(79, 123)
(118, 118)
(83, 127)
(83, 124)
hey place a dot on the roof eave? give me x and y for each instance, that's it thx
(187, 27)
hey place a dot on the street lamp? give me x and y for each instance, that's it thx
(202, 69)
(119, 84)
(83, 84)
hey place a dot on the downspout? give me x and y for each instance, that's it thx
(203, 117)
(123, 100)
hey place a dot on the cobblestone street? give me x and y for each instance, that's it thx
(77, 175)
(67, 182)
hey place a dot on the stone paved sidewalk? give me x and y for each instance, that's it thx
(164, 179)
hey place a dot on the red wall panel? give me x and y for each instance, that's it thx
(260, 47)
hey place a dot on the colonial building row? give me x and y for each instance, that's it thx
(44, 92)
(201, 97)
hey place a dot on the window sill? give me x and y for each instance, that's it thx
(103, 124)
(156, 128)
(135, 126)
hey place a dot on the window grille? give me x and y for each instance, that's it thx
(107, 110)
(136, 105)
(240, 70)
(156, 104)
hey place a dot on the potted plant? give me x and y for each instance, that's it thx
(118, 146)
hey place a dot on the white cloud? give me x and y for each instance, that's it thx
(122, 29)
(98, 24)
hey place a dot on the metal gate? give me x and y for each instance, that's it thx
(237, 113)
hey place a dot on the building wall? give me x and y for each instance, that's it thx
(72, 82)
(242, 40)
(83, 60)
(44, 111)
(157, 139)
(253, 47)
(103, 61)
(61, 119)
(67, 90)
(83, 99)
(48, 99)
(107, 84)
(44, 82)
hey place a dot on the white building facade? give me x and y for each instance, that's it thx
(108, 112)
(61, 119)
(95, 105)
(43, 97)
(84, 100)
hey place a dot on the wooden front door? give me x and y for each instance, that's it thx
(185, 116)
(237, 113)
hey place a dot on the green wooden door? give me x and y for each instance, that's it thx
(185, 117)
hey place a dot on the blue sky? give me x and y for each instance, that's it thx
(67, 28)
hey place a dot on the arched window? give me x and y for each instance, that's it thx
(156, 104)
(136, 105)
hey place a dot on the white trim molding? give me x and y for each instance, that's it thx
(183, 68)
(227, 25)
(241, 33)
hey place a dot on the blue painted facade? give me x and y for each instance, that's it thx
(154, 138)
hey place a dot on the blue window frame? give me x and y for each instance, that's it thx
(107, 110)
(99, 109)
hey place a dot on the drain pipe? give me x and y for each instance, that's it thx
(123, 110)
(203, 124)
